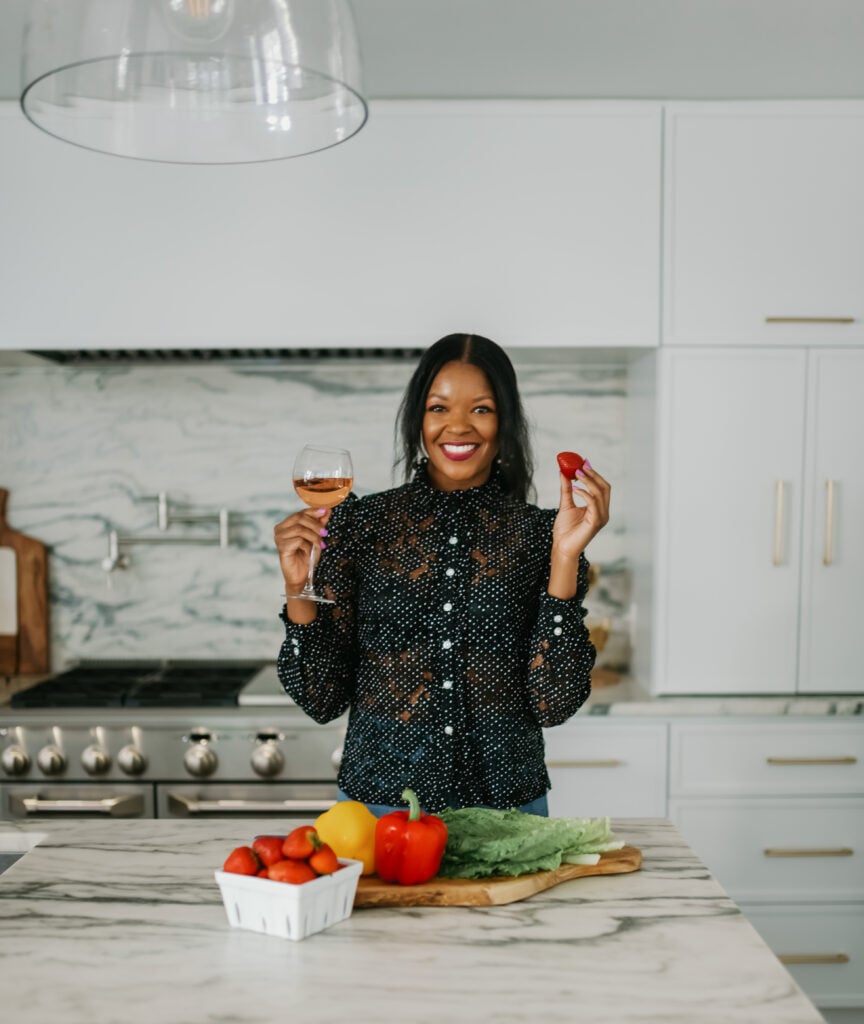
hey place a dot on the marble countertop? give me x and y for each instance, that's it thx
(121, 921)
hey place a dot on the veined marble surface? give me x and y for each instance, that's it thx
(81, 449)
(121, 921)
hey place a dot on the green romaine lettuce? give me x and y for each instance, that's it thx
(483, 842)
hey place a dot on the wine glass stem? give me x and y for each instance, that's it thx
(308, 589)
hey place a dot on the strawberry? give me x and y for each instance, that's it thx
(301, 843)
(268, 848)
(569, 462)
(294, 871)
(324, 861)
(242, 861)
(263, 873)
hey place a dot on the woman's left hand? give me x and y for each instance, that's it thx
(575, 526)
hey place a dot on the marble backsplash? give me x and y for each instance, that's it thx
(83, 451)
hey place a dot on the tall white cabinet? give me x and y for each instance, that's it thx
(831, 654)
(760, 557)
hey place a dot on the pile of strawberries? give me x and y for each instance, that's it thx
(298, 857)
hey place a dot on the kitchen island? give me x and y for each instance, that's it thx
(122, 921)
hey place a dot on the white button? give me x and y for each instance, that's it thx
(448, 684)
(448, 607)
(448, 729)
(558, 618)
(454, 540)
(447, 645)
(450, 572)
(557, 631)
(296, 651)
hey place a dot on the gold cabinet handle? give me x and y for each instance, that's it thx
(838, 851)
(611, 763)
(811, 760)
(779, 492)
(809, 319)
(828, 553)
(813, 958)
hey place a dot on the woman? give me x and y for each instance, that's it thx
(457, 632)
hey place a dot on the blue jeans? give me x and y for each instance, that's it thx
(539, 806)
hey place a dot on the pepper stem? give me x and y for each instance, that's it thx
(413, 804)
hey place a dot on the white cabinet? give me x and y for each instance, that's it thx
(732, 426)
(601, 770)
(832, 583)
(776, 811)
(764, 223)
(535, 223)
(822, 946)
(761, 484)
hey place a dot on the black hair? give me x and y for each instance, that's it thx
(515, 460)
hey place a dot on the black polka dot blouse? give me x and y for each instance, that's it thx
(444, 645)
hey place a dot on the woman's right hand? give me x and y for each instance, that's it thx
(295, 537)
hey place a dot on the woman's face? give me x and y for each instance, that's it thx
(460, 427)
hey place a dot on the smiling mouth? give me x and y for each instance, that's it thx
(459, 452)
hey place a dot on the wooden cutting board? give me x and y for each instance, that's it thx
(487, 892)
(27, 652)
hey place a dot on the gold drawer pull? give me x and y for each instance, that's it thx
(779, 491)
(811, 760)
(828, 552)
(813, 958)
(838, 851)
(809, 319)
(612, 763)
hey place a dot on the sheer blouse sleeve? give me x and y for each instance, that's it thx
(561, 655)
(316, 663)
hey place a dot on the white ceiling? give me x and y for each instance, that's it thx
(653, 49)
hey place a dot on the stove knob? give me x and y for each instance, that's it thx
(15, 761)
(267, 759)
(131, 760)
(95, 760)
(200, 760)
(51, 760)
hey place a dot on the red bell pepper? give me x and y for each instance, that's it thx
(409, 845)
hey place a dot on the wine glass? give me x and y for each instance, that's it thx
(322, 478)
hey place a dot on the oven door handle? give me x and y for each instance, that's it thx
(128, 806)
(178, 803)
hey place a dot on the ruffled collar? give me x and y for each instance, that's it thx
(469, 497)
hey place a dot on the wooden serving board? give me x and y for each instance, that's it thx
(487, 892)
(27, 652)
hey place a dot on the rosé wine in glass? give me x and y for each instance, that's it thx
(322, 479)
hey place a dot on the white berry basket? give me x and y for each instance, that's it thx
(287, 910)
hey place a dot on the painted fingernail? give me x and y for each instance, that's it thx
(323, 545)
(579, 473)
(588, 464)
(324, 532)
(320, 511)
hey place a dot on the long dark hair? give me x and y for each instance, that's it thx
(516, 464)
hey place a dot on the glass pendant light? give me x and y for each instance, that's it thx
(194, 81)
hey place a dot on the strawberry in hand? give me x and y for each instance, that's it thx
(570, 463)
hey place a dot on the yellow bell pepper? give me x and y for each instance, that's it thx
(349, 828)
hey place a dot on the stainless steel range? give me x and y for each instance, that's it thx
(164, 739)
